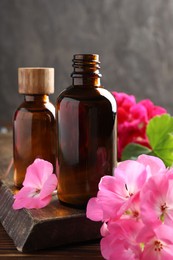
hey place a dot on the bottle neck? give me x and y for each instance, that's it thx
(84, 81)
(86, 70)
(42, 98)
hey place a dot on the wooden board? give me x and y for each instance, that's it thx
(36, 229)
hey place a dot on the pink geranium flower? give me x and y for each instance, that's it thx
(117, 192)
(133, 118)
(157, 200)
(38, 186)
(120, 242)
(136, 208)
(158, 242)
(151, 109)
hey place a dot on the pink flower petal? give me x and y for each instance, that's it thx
(162, 234)
(49, 186)
(120, 242)
(26, 198)
(152, 110)
(156, 200)
(104, 229)
(94, 211)
(134, 174)
(154, 164)
(112, 196)
(37, 173)
(139, 113)
(29, 198)
(39, 185)
(116, 193)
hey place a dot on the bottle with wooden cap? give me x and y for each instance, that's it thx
(34, 127)
(86, 132)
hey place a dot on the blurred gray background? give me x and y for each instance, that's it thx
(134, 39)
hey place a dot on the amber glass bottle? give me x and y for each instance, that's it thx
(86, 128)
(34, 127)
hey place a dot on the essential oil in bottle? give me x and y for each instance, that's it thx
(34, 125)
(86, 133)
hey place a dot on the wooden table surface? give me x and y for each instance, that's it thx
(79, 251)
(89, 250)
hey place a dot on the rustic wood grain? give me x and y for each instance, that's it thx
(84, 251)
(52, 226)
(6, 151)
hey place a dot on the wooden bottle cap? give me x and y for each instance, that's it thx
(36, 80)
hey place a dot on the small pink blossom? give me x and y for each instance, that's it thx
(120, 242)
(157, 200)
(38, 186)
(133, 118)
(158, 242)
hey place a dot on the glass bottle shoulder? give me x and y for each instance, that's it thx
(82, 93)
(36, 106)
(44, 109)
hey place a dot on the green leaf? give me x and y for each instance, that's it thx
(160, 135)
(133, 150)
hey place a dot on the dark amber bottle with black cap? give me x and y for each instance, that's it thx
(86, 128)
(34, 126)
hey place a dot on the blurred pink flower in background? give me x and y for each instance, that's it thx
(38, 186)
(133, 118)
